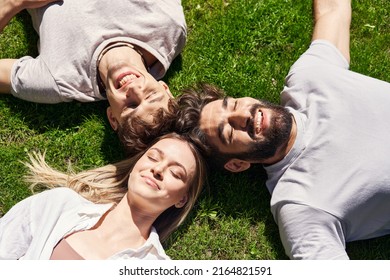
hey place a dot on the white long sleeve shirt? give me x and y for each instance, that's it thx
(33, 227)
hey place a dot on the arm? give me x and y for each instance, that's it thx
(9, 8)
(332, 19)
(310, 234)
(5, 75)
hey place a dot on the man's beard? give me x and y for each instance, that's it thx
(274, 137)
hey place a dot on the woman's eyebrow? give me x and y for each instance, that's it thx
(162, 154)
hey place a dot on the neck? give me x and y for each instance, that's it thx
(118, 52)
(124, 224)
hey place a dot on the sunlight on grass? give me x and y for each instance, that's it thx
(245, 47)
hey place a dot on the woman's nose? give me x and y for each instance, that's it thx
(158, 171)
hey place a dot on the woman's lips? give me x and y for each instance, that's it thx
(151, 183)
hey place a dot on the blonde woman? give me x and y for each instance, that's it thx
(119, 211)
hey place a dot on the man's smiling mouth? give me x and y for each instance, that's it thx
(125, 79)
(258, 122)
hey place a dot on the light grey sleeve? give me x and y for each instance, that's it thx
(310, 234)
(32, 81)
(319, 54)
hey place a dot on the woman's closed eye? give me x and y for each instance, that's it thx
(176, 173)
(153, 156)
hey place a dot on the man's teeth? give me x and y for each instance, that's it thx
(127, 78)
(258, 121)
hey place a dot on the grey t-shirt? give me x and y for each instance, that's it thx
(73, 33)
(334, 185)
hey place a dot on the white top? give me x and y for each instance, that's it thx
(334, 185)
(32, 228)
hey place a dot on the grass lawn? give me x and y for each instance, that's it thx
(245, 47)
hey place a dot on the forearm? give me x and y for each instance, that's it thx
(5, 75)
(8, 9)
(332, 19)
(322, 7)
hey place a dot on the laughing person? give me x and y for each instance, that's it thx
(325, 148)
(96, 50)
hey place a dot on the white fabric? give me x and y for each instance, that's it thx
(334, 185)
(32, 228)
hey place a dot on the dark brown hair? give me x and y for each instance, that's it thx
(136, 134)
(191, 103)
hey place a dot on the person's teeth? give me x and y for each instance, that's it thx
(258, 123)
(127, 78)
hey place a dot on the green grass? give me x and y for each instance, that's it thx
(245, 47)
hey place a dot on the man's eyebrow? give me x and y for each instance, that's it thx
(221, 136)
(225, 102)
(220, 133)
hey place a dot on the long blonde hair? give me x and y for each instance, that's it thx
(108, 184)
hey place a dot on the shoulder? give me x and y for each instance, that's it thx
(58, 196)
(320, 52)
(60, 192)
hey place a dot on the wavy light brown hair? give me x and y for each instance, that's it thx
(108, 184)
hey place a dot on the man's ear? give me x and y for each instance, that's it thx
(182, 201)
(237, 165)
(111, 118)
(166, 87)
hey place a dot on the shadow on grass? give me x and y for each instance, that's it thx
(176, 66)
(31, 44)
(372, 249)
(66, 116)
(247, 195)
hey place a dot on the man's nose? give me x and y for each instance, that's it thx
(135, 94)
(239, 120)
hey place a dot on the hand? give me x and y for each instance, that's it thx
(9, 8)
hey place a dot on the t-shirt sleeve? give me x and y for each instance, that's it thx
(320, 52)
(307, 75)
(32, 81)
(310, 234)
